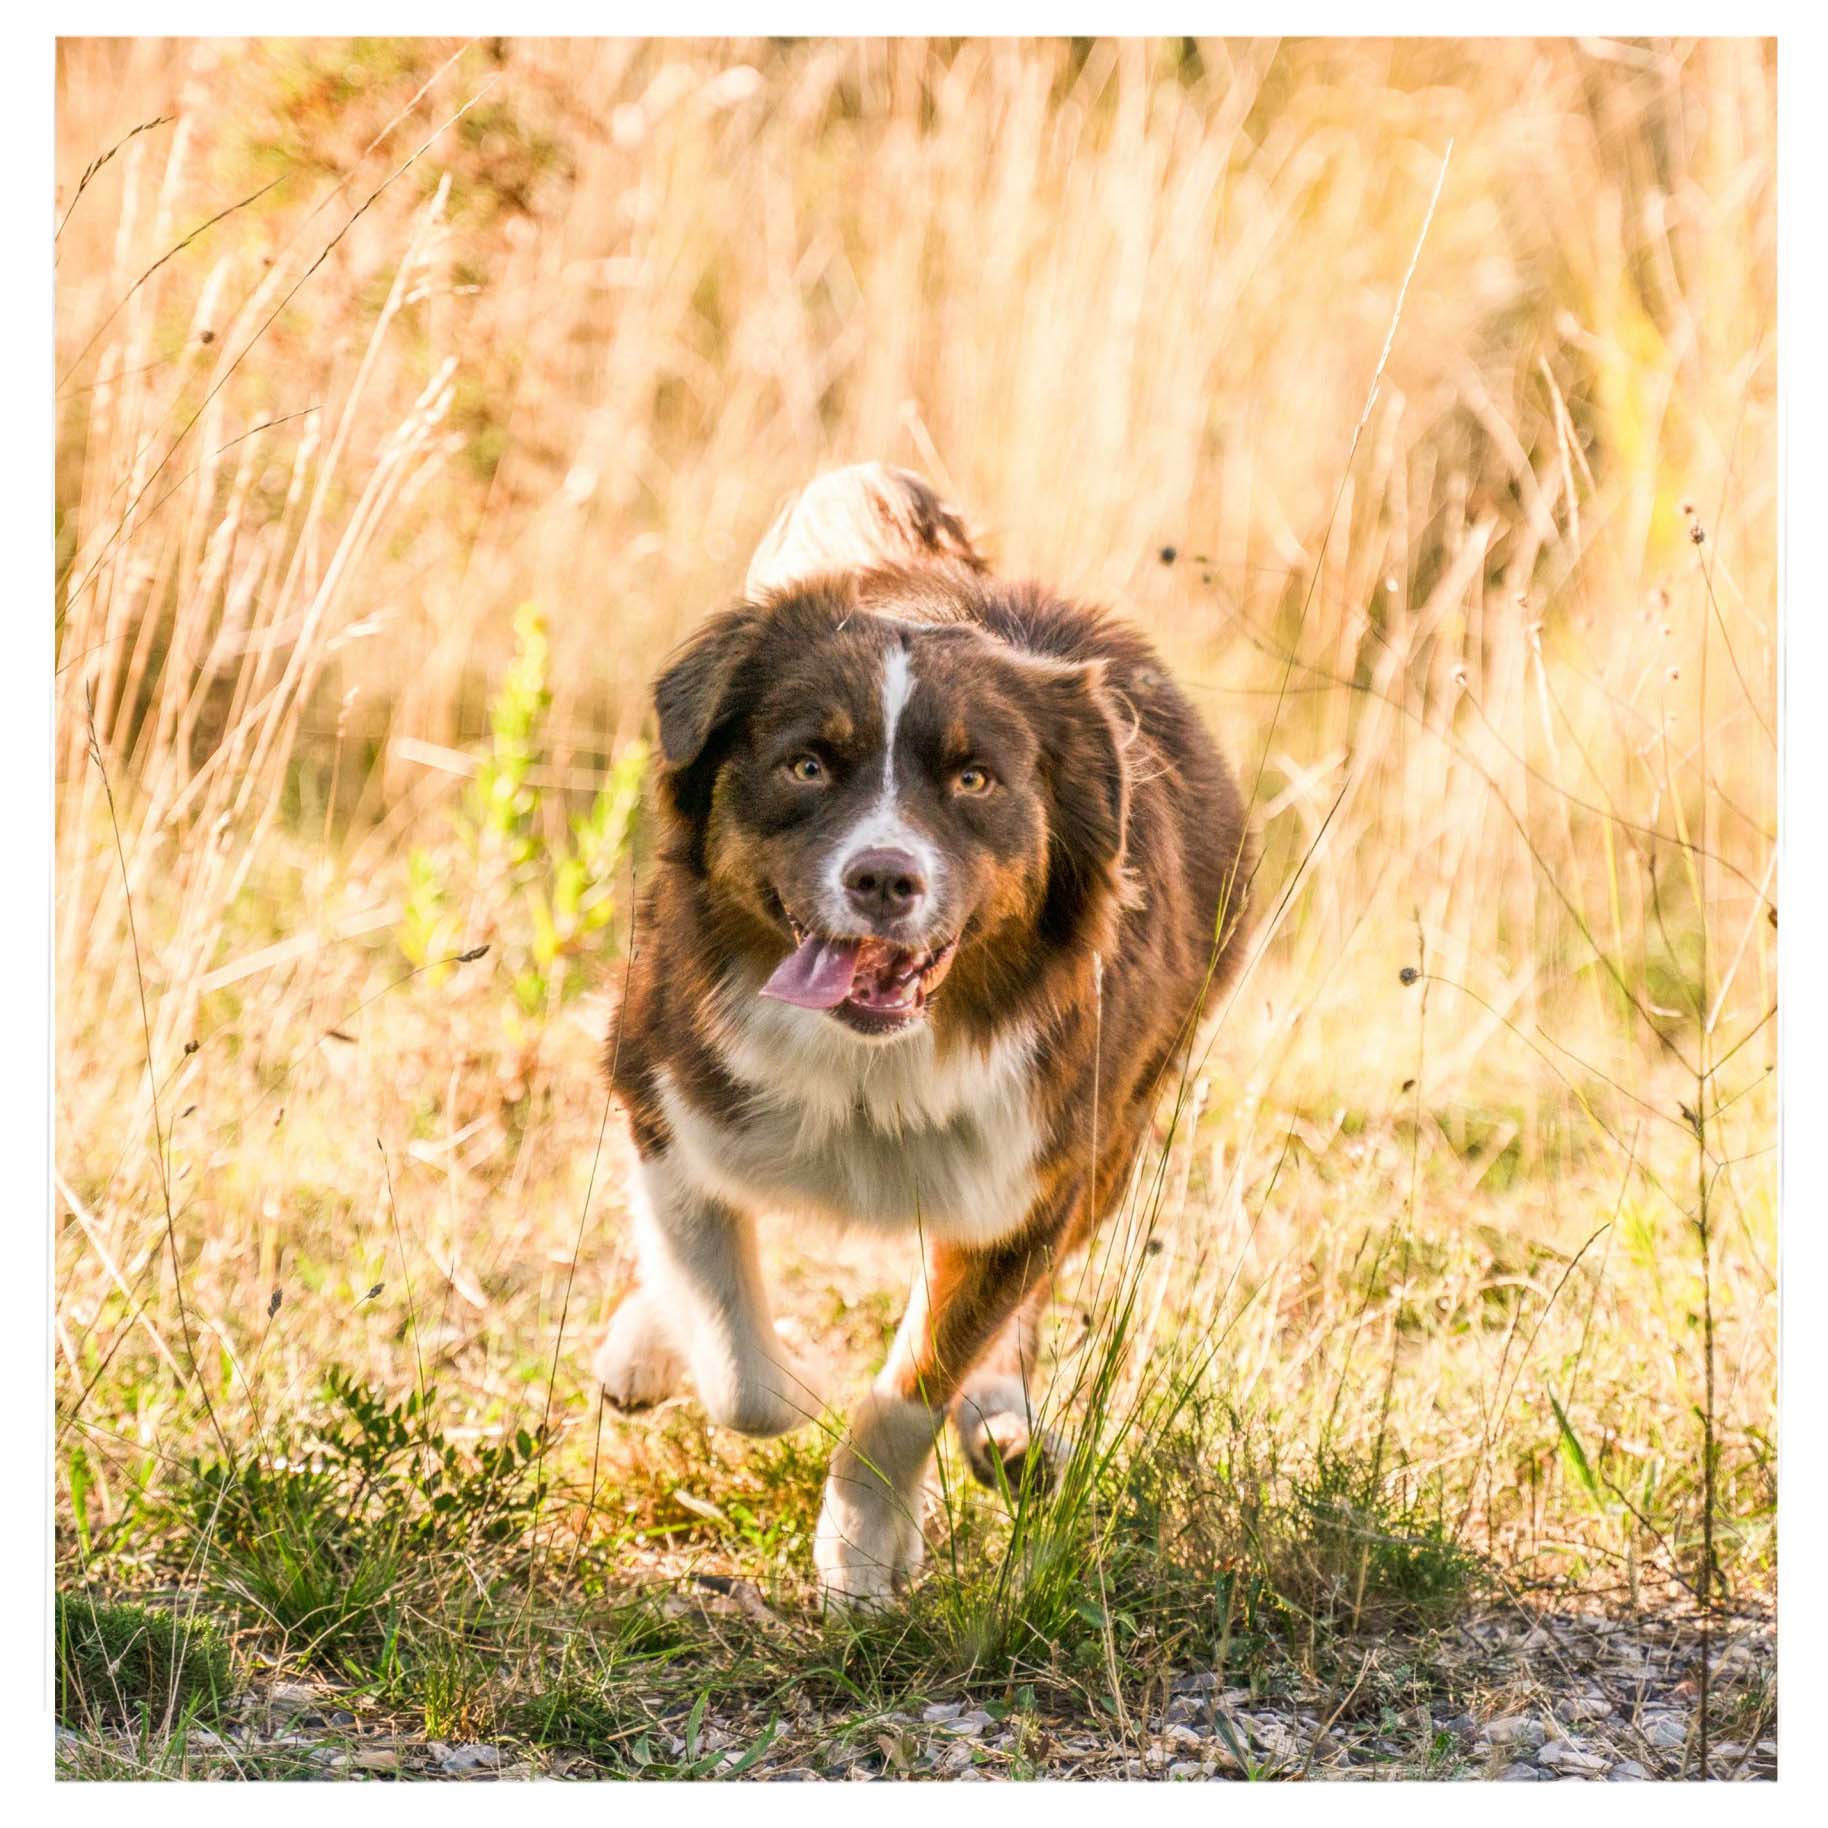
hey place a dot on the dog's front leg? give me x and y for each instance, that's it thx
(701, 1300)
(869, 1539)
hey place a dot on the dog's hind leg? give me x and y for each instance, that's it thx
(1004, 1440)
(1006, 1444)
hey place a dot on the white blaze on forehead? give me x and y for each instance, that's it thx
(897, 683)
(885, 826)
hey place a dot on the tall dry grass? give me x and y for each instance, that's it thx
(359, 346)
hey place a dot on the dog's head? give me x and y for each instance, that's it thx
(879, 794)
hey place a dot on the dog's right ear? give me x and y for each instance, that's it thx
(697, 701)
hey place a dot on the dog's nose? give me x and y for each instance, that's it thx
(885, 884)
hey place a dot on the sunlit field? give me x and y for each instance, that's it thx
(1419, 399)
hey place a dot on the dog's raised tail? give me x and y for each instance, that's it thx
(865, 516)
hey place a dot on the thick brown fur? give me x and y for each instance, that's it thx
(1136, 929)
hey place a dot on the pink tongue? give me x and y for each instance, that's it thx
(818, 976)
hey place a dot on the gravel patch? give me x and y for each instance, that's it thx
(1508, 1697)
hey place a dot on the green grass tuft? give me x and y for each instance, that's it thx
(131, 1662)
(329, 1538)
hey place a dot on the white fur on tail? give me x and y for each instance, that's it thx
(854, 519)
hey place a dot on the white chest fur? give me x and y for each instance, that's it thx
(854, 1131)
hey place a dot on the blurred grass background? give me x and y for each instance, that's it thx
(363, 345)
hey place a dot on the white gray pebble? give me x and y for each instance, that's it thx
(466, 1758)
(1515, 1730)
(1563, 1755)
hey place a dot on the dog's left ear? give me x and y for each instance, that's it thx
(1087, 777)
(697, 701)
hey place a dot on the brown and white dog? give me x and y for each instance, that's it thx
(951, 869)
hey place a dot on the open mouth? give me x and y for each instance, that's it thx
(873, 985)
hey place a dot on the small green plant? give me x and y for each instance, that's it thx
(329, 1538)
(543, 903)
(1362, 1549)
(456, 1700)
(136, 1663)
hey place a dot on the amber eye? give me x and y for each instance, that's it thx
(806, 768)
(972, 779)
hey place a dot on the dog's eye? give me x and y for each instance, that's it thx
(972, 779)
(806, 768)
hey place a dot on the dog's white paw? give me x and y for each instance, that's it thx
(637, 1364)
(869, 1544)
(1003, 1439)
